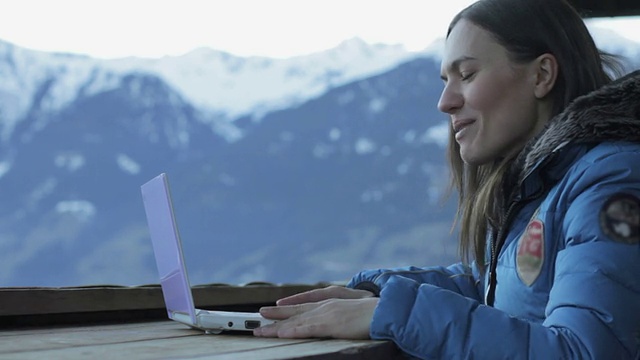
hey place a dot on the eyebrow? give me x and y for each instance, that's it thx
(455, 64)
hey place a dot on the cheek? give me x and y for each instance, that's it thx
(485, 98)
(500, 101)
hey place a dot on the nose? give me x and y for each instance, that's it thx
(450, 100)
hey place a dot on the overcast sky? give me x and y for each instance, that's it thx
(273, 28)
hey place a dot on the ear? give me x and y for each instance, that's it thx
(546, 71)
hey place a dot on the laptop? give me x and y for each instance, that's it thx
(176, 290)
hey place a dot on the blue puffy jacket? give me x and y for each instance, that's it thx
(568, 273)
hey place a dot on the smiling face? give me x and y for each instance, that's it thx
(491, 99)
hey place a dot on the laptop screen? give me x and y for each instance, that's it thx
(167, 247)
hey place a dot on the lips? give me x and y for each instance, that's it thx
(459, 124)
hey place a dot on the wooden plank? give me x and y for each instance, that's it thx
(166, 348)
(62, 338)
(599, 8)
(81, 328)
(326, 349)
(171, 340)
(219, 347)
(33, 301)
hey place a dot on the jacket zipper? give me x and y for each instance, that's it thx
(496, 245)
(498, 241)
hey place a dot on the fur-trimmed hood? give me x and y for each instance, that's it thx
(611, 113)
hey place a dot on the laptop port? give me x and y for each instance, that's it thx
(251, 324)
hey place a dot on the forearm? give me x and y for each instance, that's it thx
(458, 278)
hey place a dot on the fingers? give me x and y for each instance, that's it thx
(335, 318)
(293, 329)
(330, 292)
(286, 311)
(304, 331)
(306, 297)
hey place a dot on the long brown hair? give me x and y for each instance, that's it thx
(526, 29)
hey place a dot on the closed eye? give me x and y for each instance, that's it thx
(466, 76)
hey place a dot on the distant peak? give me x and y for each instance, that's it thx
(353, 42)
(357, 43)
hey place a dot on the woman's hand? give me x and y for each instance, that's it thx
(330, 292)
(332, 318)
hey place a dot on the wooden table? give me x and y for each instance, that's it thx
(170, 340)
(115, 322)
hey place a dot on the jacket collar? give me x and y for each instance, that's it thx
(611, 113)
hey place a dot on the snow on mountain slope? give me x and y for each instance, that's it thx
(211, 80)
(30, 76)
(238, 86)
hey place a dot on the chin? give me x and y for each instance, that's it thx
(474, 159)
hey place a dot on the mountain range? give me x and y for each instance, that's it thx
(297, 170)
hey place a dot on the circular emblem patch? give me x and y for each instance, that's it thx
(620, 218)
(531, 251)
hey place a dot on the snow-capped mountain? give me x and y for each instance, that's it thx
(344, 171)
(220, 85)
(90, 134)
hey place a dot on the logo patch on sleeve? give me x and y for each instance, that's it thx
(620, 218)
(531, 251)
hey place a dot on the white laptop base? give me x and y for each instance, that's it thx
(176, 290)
(215, 322)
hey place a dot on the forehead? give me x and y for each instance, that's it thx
(468, 40)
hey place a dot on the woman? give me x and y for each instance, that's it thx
(545, 155)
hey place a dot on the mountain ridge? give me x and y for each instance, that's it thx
(220, 85)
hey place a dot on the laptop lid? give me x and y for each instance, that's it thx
(167, 249)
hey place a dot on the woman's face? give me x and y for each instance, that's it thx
(491, 99)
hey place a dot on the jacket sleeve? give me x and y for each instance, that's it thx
(459, 278)
(593, 309)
